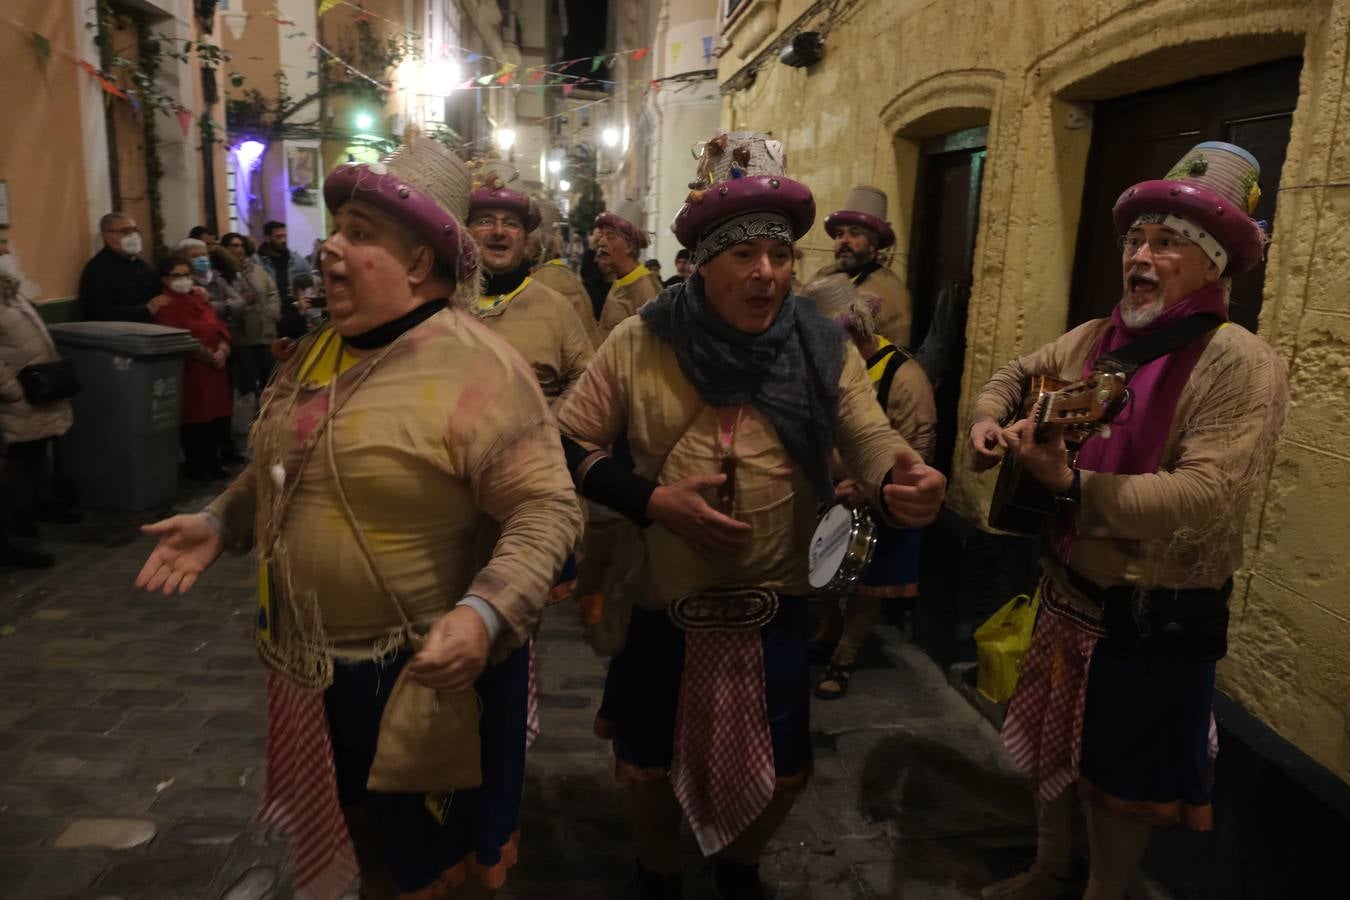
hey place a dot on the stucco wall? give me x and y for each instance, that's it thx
(41, 152)
(897, 71)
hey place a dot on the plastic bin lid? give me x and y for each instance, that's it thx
(129, 338)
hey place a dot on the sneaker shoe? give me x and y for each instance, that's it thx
(25, 558)
(1033, 884)
(737, 881)
(654, 886)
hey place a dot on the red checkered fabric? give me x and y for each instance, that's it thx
(722, 768)
(532, 700)
(301, 796)
(1043, 730)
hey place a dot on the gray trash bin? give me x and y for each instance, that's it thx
(122, 452)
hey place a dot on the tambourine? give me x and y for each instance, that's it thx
(841, 548)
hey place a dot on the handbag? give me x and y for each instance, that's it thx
(428, 742)
(50, 381)
(1001, 643)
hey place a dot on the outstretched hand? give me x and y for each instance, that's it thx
(187, 547)
(916, 491)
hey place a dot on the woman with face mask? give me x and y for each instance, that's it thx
(207, 403)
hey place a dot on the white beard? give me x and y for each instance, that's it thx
(1139, 317)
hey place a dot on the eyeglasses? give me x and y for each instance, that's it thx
(505, 223)
(1159, 245)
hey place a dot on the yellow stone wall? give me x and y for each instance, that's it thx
(898, 71)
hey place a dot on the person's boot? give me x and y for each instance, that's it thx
(25, 558)
(1034, 884)
(654, 886)
(737, 881)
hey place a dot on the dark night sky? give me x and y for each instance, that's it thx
(588, 26)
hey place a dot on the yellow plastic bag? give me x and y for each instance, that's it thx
(1001, 643)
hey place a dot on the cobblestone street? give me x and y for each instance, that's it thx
(132, 734)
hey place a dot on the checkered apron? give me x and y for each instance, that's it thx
(301, 796)
(722, 767)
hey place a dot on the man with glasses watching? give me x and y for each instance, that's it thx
(1115, 693)
(116, 284)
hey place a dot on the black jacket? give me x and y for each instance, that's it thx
(114, 288)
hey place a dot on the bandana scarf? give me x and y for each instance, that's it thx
(790, 373)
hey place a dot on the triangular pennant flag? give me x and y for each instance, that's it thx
(656, 86)
(486, 79)
(326, 5)
(596, 62)
(43, 47)
(567, 89)
(536, 74)
(638, 54)
(135, 103)
(184, 119)
(707, 49)
(675, 48)
(504, 76)
(475, 57)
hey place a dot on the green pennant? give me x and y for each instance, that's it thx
(43, 47)
(596, 62)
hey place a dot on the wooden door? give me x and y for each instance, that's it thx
(946, 215)
(1141, 136)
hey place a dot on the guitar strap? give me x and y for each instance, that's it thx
(898, 356)
(1149, 347)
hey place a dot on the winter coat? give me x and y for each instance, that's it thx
(257, 323)
(24, 340)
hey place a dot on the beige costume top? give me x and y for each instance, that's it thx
(538, 323)
(556, 275)
(453, 468)
(1182, 526)
(634, 386)
(896, 316)
(911, 408)
(626, 296)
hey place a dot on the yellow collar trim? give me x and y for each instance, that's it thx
(875, 372)
(638, 271)
(555, 262)
(487, 303)
(325, 359)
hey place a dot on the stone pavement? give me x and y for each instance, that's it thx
(132, 739)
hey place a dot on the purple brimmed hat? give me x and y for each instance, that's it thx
(626, 219)
(742, 193)
(864, 207)
(491, 192)
(424, 186)
(1208, 197)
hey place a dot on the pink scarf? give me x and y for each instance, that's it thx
(1137, 436)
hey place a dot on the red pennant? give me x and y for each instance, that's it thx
(185, 119)
(505, 79)
(536, 74)
(567, 89)
(638, 54)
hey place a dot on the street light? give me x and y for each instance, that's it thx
(555, 165)
(610, 136)
(564, 185)
(440, 77)
(505, 138)
(364, 121)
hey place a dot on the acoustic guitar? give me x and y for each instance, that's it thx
(1081, 409)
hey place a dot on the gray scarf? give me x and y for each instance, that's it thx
(790, 373)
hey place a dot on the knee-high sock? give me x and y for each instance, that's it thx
(1116, 846)
(830, 628)
(749, 844)
(860, 616)
(654, 814)
(1054, 834)
(376, 881)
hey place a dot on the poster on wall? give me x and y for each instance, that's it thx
(302, 165)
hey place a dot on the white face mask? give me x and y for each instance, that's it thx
(9, 265)
(131, 244)
(180, 285)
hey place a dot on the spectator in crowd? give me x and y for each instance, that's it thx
(256, 328)
(654, 266)
(224, 299)
(315, 255)
(27, 430)
(206, 235)
(116, 284)
(282, 262)
(682, 269)
(295, 321)
(207, 404)
(595, 273)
